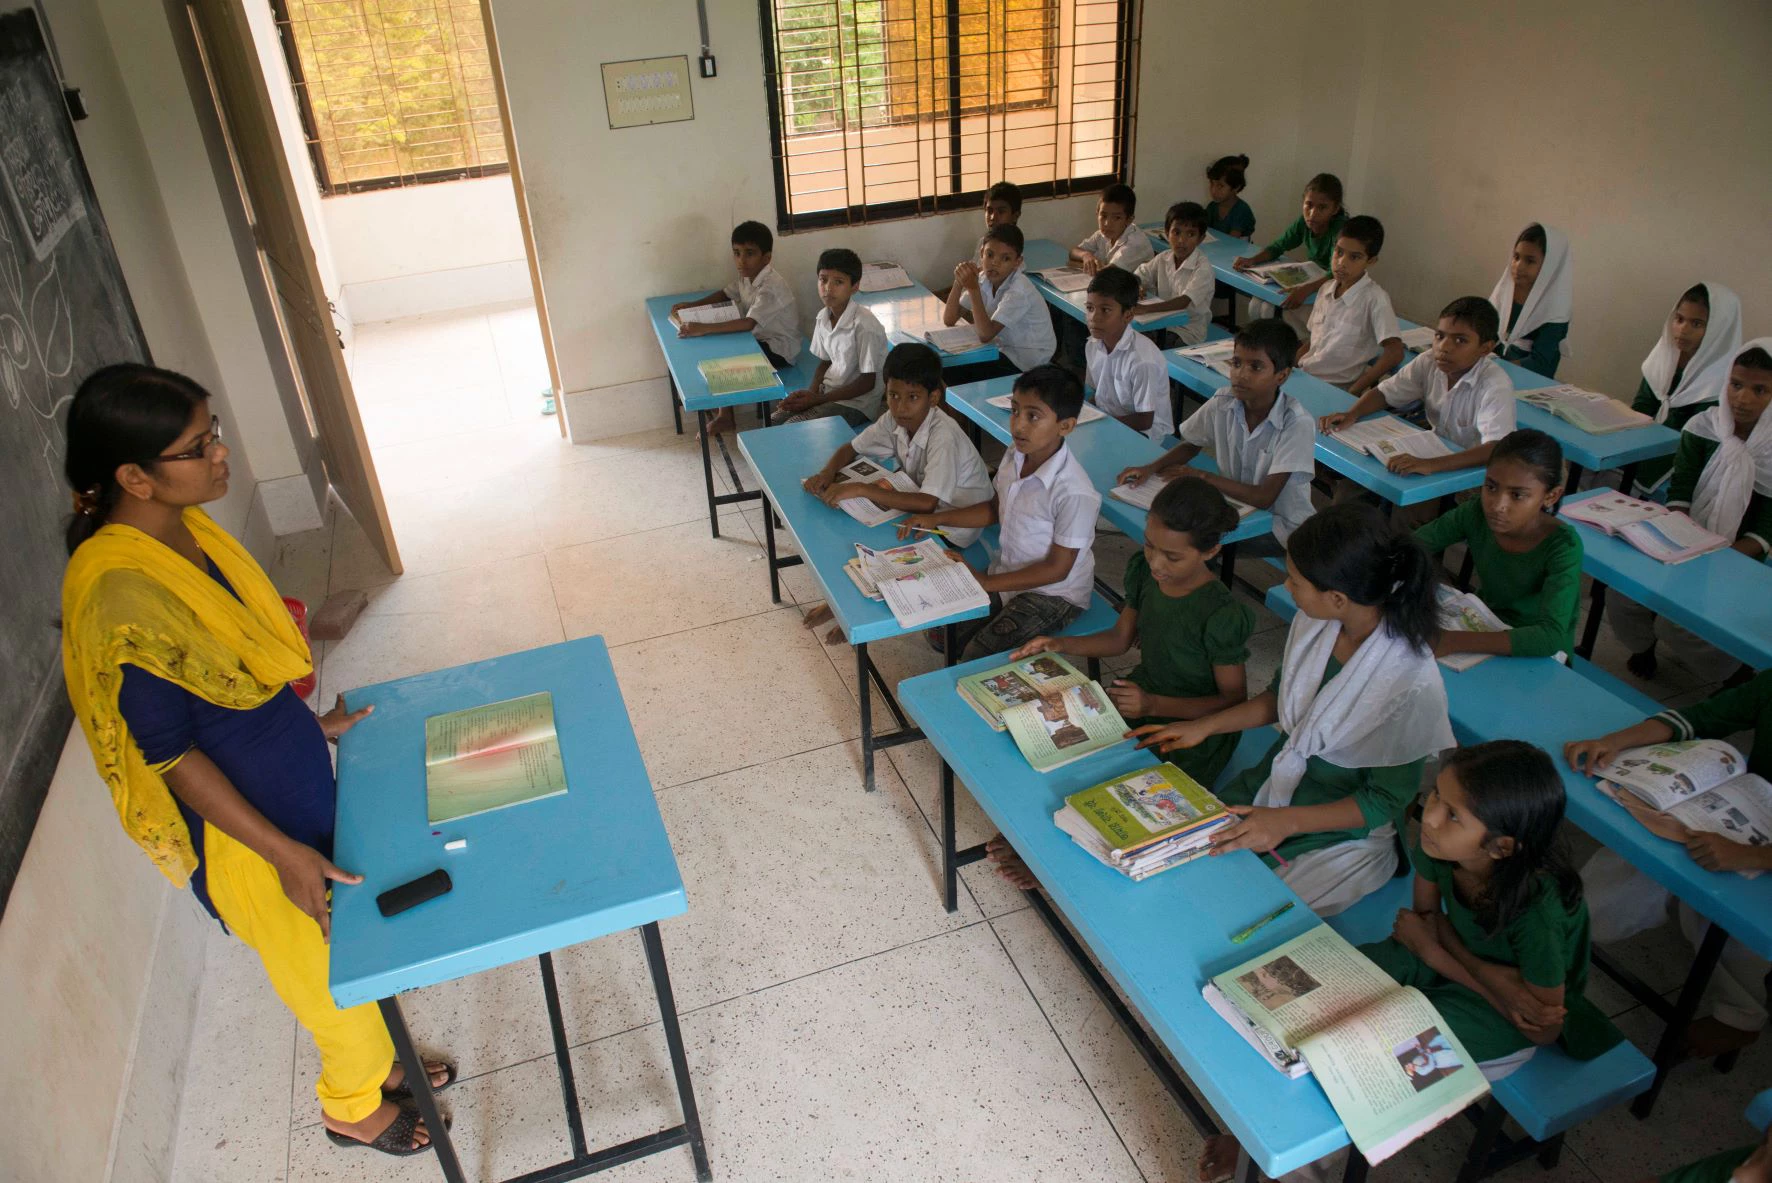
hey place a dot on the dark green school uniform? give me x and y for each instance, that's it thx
(1318, 248)
(1239, 223)
(1690, 458)
(1546, 351)
(1650, 472)
(1718, 1168)
(1747, 707)
(1547, 942)
(1180, 639)
(1537, 594)
(1381, 793)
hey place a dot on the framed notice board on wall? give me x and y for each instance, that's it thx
(647, 91)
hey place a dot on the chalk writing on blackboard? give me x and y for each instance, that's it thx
(39, 186)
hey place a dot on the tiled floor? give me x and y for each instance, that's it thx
(839, 1024)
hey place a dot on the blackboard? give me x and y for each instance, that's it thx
(64, 312)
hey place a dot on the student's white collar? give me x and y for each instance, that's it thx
(1552, 295)
(1474, 374)
(1352, 288)
(848, 314)
(1705, 374)
(1047, 472)
(768, 269)
(921, 439)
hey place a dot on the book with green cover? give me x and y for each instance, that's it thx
(1059, 728)
(491, 757)
(729, 375)
(1150, 805)
(993, 691)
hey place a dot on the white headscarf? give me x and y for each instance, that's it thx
(1552, 295)
(1703, 378)
(1737, 469)
(1386, 706)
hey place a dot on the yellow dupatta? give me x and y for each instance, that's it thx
(128, 599)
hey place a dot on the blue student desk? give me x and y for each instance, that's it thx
(1544, 702)
(909, 313)
(1105, 448)
(1158, 941)
(682, 357)
(1042, 253)
(1724, 597)
(534, 878)
(1319, 398)
(1616, 449)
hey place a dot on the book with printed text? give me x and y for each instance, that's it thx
(492, 757)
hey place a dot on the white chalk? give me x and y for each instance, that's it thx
(457, 844)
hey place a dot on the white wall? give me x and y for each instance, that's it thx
(1644, 132)
(427, 248)
(621, 215)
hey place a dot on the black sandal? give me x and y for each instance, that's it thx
(395, 1140)
(403, 1090)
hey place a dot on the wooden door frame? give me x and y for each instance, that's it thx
(541, 302)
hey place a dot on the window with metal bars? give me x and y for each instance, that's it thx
(895, 108)
(392, 92)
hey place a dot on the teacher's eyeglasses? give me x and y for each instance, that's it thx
(204, 443)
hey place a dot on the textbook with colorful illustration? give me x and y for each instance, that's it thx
(1214, 355)
(1287, 274)
(491, 757)
(729, 375)
(918, 581)
(993, 691)
(1701, 784)
(1663, 534)
(1386, 436)
(1062, 727)
(1588, 410)
(864, 471)
(1144, 822)
(884, 277)
(1389, 1064)
(955, 339)
(1066, 279)
(1465, 612)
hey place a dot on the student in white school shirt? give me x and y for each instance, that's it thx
(1468, 396)
(1117, 241)
(850, 344)
(1125, 368)
(1262, 440)
(1044, 570)
(1353, 340)
(1180, 278)
(1014, 314)
(763, 299)
(929, 445)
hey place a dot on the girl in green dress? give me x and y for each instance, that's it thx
(1527, 563)
(1497, 934)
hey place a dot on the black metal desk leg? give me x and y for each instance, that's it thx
(420, 1082)
(1572, 481)
(667, 1013)
(707, 473)
(676, 409)
(950, 868)
(769, 548)
(1673, 1038)
(1627, 476)
(1227, 563)
(867, 717)
(575, 1124)
(1595, 612)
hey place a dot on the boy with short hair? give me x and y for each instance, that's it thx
(1468, 397)
(929, 446)
(1353, 340)
(764, 300)
(1262, 440)
(1041, 576)
(1315, 229)
(850, 344)
(1117, 241)
(1124, 367)
(997, 296)
(1180, 278)
(1002, 205)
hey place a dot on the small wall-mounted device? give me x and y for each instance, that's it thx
(707, 65)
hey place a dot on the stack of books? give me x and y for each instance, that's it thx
(1144, 822)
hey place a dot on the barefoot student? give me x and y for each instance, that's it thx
(178, 655)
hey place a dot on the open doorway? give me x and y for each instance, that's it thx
(389, 116)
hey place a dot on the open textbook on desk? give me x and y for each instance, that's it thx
(1388, 1062)
(490, 757)
(1702, 784)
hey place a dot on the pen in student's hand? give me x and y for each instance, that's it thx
(936, 530)
(1240, 937)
